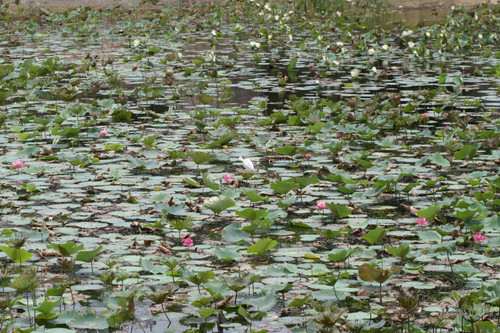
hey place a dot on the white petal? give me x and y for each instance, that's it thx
(247, 164)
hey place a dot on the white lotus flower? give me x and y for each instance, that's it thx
(255, 44)
(247, 164)
(371, 51)
(407, 33)
(355, 73)
(137, 42)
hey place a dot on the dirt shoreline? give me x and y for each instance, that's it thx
(429, 4)
(394, 4)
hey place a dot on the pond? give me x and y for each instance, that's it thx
(244, 167)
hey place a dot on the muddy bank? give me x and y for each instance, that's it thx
(64, 4)
(429, 4)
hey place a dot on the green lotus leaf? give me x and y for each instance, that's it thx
(219, 204)
(375, 235)
(262, 246)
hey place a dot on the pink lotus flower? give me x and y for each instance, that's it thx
(425, 115)
(321, 205)
(228, 178)
(478, 238)
(17, 164)
(422, 221)
(187, 242)
(103, 133)
(308, 155)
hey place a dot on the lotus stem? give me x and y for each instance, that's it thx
(449, 261)
(380, 292)
(165, 313)
(335, 293)
(28, 306)
(138, 322)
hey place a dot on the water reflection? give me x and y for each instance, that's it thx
(422, 16)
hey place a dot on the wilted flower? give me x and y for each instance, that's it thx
(422, 221)
(340, 134)
(17, 164)
(321, 205)
(187, 242)
(478, 238)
